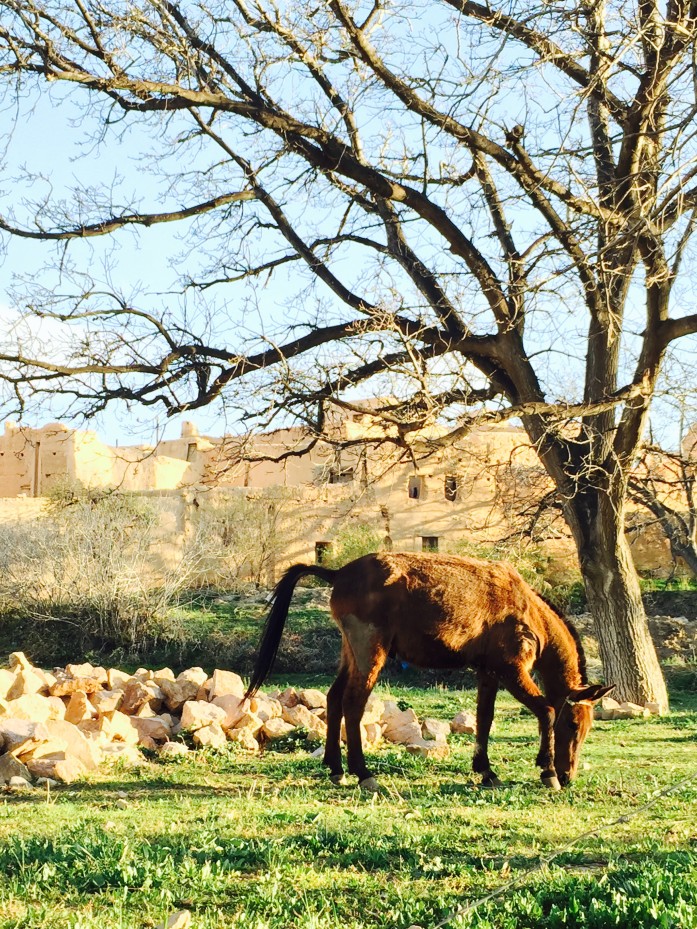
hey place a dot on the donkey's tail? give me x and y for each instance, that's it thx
(276, 620)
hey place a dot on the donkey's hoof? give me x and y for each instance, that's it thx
(490, 782)
(552, 782)
(370, 785)
(338, 779)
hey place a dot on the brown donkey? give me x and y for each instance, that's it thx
(438, 611)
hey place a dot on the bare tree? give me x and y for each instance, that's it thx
(457, 200)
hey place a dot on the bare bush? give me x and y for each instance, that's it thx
(239, 537)
(88, 563)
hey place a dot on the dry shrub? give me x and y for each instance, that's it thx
(87, 562)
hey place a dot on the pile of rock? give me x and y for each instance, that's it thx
(608, 708)
(60, 725)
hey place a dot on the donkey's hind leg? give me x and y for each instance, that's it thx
(488, 686)
(335, 699)
(367, 656)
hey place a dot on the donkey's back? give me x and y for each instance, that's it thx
(438, 610)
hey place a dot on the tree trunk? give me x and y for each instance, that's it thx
(614, 598)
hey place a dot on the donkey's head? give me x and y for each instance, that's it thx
(572, 726)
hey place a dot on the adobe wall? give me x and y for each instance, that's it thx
(466, 494)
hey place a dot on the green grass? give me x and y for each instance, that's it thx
(267, 842)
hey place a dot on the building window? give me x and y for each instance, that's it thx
(450, 488)
(322, 551)
(191, 450)
(429, 543)
(341, 475)
(416, 487)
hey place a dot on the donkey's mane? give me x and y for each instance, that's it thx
(573, 632)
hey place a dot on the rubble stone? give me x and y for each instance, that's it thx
(79, 708)
(605, 708)
(17, 733)
(373, 733)
(184, 687)
(245, 738)
(435, 729)
(18, 661)
(374, 710)
(265, 708)
(19, 783)
(174, 749)
(154, 728)
(12, 767)
(429, 749)
(276, 728)
(289, 697)
(33, 707)
(400, 726)
(225, 682)
(7, 679)
(62, 767)
(120, 728)
(198, 713)
(464, 722)
(86, 669)
(234, 709)
(106, 701)
(299, 715)
(210, 736)
(27, 681)
(179, 920)
(629, 710)
(117, 680)
(312, 698)
(67, 684)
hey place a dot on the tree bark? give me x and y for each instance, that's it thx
(614, 598)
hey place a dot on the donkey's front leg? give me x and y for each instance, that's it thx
(523, 688)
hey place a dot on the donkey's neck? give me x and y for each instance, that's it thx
(561, 664)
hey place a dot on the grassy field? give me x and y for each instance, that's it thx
(263, 842)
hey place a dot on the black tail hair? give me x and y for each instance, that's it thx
(276, 620)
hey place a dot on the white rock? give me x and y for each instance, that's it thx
(464, 722)
(429, 749)
(234, 709)
(225, 682)
(7, 679)
(244, 738)
(299, 715)
(312, 698)
(276, 728)
(18, 661)
(435, 729)
(198, 713)
(19, 782)
(400, 726)
(32, 707)
(179, 920)
(210, 736)
(27, 681)
(174, 749)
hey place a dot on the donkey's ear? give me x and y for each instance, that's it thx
(590, 694)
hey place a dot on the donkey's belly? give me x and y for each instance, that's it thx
(433, 652)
